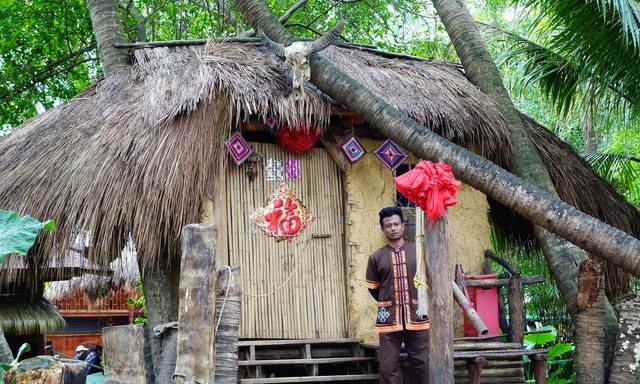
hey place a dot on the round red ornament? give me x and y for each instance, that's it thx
(297, 140)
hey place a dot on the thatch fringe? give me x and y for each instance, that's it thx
(125, 275)
(19, 316)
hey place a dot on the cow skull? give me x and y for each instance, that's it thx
(296, 55)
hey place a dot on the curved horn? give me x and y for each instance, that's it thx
(330, 37)
(276, 48)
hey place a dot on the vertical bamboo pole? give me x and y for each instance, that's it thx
(421, 272)
(196, 343)
(440, 303)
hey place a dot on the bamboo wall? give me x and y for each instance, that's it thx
(301, 284)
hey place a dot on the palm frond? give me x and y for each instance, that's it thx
(621, 171)
(583, 52)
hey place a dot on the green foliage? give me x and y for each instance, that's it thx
(47, 55)
(17, 234)
(583, 55)
(24, 348)
(561, 370)
(138, 302)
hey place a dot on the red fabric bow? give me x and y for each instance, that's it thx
(430, 186)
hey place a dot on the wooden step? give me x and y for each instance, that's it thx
(283, 342)
(311, 379)
(330, 360)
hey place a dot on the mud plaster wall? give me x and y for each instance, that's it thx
(369, 186)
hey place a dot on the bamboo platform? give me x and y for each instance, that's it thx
(305, 361)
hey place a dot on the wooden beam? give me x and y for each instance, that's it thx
(196, 340)
(504, 282)
(335, 152)
(440, 303)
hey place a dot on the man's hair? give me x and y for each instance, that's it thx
(390, 211)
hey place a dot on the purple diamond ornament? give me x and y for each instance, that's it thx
(238, 148)
(353, 149)
(390, 154)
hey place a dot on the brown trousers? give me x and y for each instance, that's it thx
(416, 343)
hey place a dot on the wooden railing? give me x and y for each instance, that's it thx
(114, 304)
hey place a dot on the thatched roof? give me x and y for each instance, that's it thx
(15, 267)
(20, 316)
(136, 153)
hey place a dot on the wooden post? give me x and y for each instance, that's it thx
(228, 298)
(502, 317)
(516, 310)
(590, 323)
(124, 355)
(440, 303)
(468, 309)
(196, 325)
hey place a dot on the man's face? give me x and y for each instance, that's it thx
(392, 227)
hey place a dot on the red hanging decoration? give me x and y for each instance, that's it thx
(297, 140)
(430, 186)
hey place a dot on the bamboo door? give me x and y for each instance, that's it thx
(291, 290)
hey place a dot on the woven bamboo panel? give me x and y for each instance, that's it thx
(290, 289)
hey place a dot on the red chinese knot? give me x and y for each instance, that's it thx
(284, 216)
(430, 186)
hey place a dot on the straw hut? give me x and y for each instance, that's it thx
(141, 153)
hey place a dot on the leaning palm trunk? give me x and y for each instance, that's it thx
(533, 203)
(480, 69)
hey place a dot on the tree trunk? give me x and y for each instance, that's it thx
(626, 362)
(481, 70)
(107, 28)
(590, 362)
(160, 284)
(6, 356)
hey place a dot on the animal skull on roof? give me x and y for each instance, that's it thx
(296, 55)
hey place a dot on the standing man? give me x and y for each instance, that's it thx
(390, 273)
